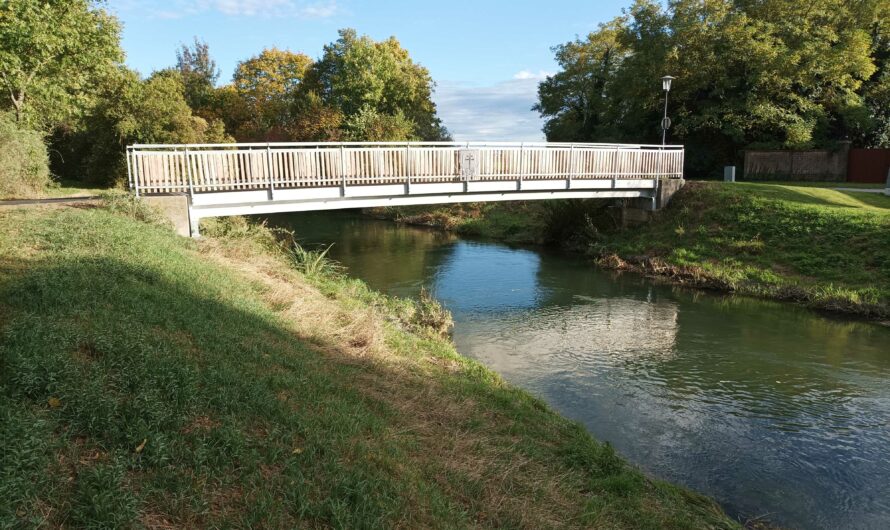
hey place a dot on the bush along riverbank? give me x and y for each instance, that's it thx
(152, 380)
(813, 245)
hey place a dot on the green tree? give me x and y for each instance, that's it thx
(199, 74)
(266, 85)
(370, 125)
(52, 52)
(131, 111)
(576, 99)
(362, 78)
(776, 73)
(876, 90)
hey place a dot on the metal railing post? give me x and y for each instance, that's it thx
(269, 172)
(137, 173)
(342, 171)
(521, 165)
(407, 168)
(130, 178)
(188, 173)
(571, 168)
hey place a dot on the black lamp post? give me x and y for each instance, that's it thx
(665, 122)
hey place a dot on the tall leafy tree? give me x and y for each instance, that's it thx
(876, 90)
(266, 85)
(777, 73)
(362, 78)
(51, 54)
(132, 110)
(199, 73)
(575, 99)
(315, 121)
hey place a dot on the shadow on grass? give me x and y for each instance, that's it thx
(128, 395)
(132, 396)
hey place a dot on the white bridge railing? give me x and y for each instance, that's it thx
(204, 168)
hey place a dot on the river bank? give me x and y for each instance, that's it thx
(158, 381)
(811, 245)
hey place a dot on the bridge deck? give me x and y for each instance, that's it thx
(231, 179)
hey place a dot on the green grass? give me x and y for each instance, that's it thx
(825, 248)
(151, 380)
(861, 185)
(804, 242)
(73, 188)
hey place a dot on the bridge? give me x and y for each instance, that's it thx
(261, 178)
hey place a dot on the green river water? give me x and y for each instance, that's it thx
(767, 407)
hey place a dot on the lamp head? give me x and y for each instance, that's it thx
(666, 82)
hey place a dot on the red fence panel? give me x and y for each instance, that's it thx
(868, 165)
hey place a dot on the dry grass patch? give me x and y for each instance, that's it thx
(304, 309)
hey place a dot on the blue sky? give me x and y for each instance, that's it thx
(486, 57)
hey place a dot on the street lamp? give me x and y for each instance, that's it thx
(665, 122)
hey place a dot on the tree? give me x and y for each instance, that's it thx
(370, 125)
(132, 110)
(52, 52)
(876, 90)
(357, 75)
(199, 73)
(751, 73)
(267, 85)
(575, 99)
(314, 121)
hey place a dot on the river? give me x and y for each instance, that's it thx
(769, 408)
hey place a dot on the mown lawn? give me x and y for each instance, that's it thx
(154, 381)
(824, 247)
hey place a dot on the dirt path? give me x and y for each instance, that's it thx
(54, 200)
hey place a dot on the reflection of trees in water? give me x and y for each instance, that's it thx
(565, 278)
(769, 358)
(381, 253)
(580, 340)
(773, 359)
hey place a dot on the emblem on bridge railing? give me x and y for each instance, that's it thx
(469, 164)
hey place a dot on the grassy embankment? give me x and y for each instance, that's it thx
(806, 243)
(151, 380)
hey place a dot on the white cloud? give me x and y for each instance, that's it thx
(321, 10)
(237, 8)
(528, 74)
(489, 113)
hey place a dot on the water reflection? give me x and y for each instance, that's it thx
(765, 406)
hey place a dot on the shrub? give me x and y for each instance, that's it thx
(315, 263)
(24, 164)
(431, 315)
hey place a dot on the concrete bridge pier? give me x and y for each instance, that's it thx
(176, 209)
(636, 211)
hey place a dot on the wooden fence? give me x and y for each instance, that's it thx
(869, 165)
